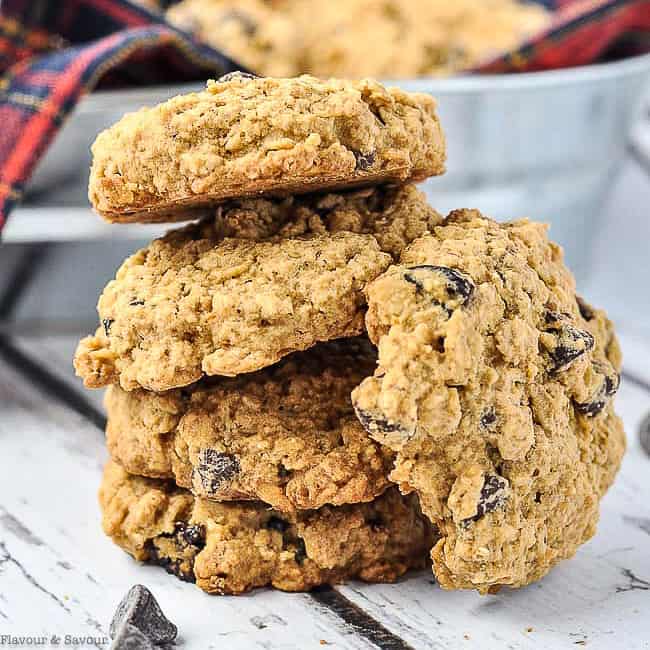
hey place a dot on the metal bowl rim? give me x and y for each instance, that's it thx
(465, 84)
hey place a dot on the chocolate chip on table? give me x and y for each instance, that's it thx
(107, 322)
(493, 495)
(644, 434)
(139, 609)
(214, 469)
(129, 637)
(458, 285)
(364, 160)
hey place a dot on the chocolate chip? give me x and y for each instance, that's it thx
(135, 302)
(192, 535)
(215, 468)
(644, 434)
(571, 342)
(277, 524)
(107, 322)
(586, 310)
(176, 566)
(608, 388)
(458, 285)
(375, 424)
(283, 472)
(140, 610)
(376, 523)
(493, 495)
(301, 551)
(235, 75)
(488, 417)
(128, 637)
(364, 160)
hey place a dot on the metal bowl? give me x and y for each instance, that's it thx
(546, 145)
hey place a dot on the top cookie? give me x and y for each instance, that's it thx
(494, 386)
(245, 136)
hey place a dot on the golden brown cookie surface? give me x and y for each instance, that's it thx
(494, 387)
(286, 435)
(230, 548)
(245, 136)
(188, 305)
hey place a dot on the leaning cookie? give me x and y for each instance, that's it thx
(188, 305)
(245, 136)
(494, 386)
(230, 548)
(286, 435)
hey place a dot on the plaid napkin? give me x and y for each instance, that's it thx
(52, 52)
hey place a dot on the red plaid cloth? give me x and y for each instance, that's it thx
(53, 52)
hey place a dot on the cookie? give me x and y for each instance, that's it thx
(419, 38)
(252, 32)
(245, 136)
(394, 216)
(286, 435)
(187, 306)
(230, 548)
(494, 387)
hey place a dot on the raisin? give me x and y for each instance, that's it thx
(571, 342)
(236, 74)
(458, 285)
(488, 418)
(277, 524)
(214, 469)
(301, 551)
(364, 160)
(128, 637)
(140, 609)
(107, 322)
(493, 495)
(586, 310)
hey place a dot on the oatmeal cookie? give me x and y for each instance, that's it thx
(394, 216)
(252, 32)
(494, 386)
(230, 548)
(286, 435)
(245, 136)
(188, 305)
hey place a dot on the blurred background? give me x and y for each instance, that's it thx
(545, 106)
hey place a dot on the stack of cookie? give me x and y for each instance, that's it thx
(257, 434)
